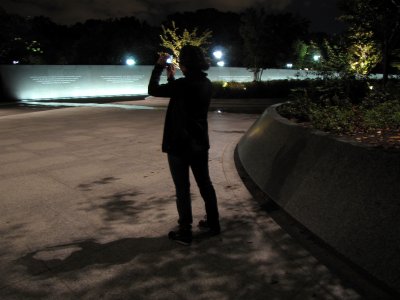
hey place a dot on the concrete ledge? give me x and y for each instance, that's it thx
(347, 194)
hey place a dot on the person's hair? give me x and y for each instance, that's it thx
(192, 57)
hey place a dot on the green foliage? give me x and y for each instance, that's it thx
(336, 58)
(299, 108)
(344, 106)
(375, 25)
(381, 106)
(364, 53)
(174, 40)
(304, 55)
(335, 119)
(301, 49)
(396, 58)
(384, 115)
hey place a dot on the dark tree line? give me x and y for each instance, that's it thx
(38, 40)
(254, 38)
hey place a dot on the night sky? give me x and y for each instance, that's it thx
(322, 13)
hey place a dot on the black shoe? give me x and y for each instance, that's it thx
(203, 224)
(183, 237)
(211, 230)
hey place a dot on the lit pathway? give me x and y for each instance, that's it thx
(86, 201)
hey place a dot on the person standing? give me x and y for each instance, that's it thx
(185, 137)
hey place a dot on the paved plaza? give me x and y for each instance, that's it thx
(86, 202)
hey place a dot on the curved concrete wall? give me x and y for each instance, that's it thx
(346, 194)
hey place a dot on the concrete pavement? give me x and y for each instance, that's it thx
(86, 202)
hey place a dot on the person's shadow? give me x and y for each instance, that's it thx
(89, 252)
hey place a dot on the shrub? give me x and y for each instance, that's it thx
(384, 115)
(299, 108)
(334, 119)
(346, 107)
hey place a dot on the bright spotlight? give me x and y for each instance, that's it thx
(317, 57)
(289, 65)
(221, 63)
(130, 61)
(218, 54)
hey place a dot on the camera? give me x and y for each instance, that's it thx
(170, 59)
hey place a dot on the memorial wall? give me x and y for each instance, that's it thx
(44, 82)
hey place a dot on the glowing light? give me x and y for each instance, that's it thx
(100, 105)
(225, 84)
(316, 57)
(170, 59)
(218, 54)
(289, 65)
(130, 61)
(15, 62)
(221, 63)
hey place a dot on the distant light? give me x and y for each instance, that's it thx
(221, 63)
(371, 87)
(15, 62)
(317, 57)
(218, 54)
(130, 61)
(225, 84)
(289, 65)
(219, 111)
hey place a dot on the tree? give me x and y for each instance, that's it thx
(18, 43)
(172, 39)
(380, 18)
(336, 57)
(304, 55)
(269, 39)
(364, 53)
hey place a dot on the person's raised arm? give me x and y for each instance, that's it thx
(155, 88)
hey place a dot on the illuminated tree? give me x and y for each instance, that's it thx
(172, 39)
(379, 17)
(396, 59)
(364, 53)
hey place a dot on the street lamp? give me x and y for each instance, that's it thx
(218, 54)
(130, 61)
(317, 57)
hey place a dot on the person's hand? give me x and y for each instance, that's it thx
(162, 59)
(171, 70)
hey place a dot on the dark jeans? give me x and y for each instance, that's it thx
(179, 167)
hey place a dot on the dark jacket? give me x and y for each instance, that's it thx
(186, 127)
